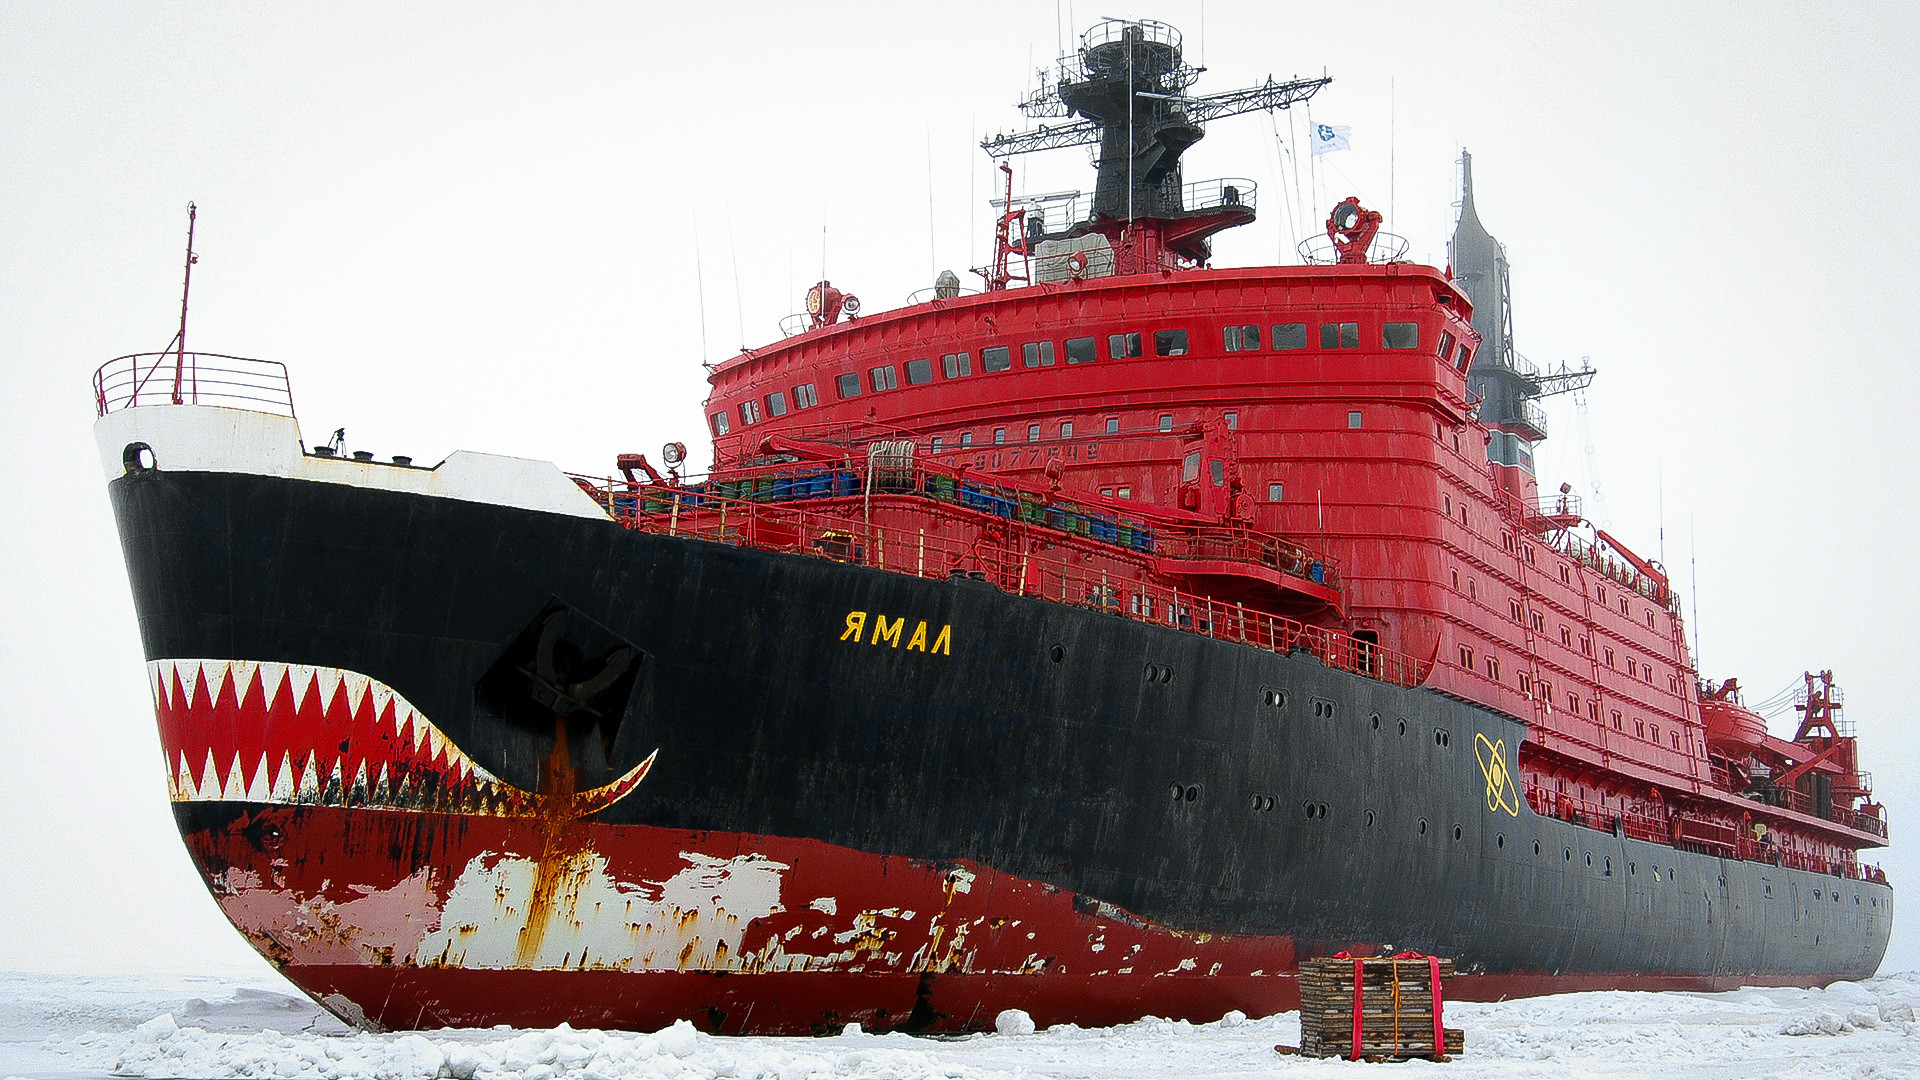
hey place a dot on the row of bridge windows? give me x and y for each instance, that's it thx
(1081, 350)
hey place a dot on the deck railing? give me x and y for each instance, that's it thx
(1693, 834)
(1010, 547)
(194, 378)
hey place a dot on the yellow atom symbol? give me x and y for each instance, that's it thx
(1493, 765)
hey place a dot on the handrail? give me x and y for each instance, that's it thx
(194, 378)
(1139, 529)
(844, 522)
(1673, 830)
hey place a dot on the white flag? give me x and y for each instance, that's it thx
(1328, 138)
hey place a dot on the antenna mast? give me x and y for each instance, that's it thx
(186, 286)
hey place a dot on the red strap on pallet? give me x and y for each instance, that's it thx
(1359, 968)
(1439, 1032)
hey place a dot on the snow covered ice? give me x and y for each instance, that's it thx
(71, 1027)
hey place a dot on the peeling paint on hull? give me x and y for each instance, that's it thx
(328, 904)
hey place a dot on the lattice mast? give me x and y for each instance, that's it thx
(1128, 82)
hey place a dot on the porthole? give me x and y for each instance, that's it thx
(1589, 858)
(1457, 833)
(1767, 890)
(1816, 894)
(1166, 674)
(1193, 792)
(1276, 698)
(137, 457)
(1375, 719)
(1322, 708)
(1370, 820)
(1567, 853)
(1403, 727)
(1606, 866)
(1536, 847)
(1441, 737)
(1263, 804)
(1423, 826)
(1057, 653)
(1633, 869)
(1499, 840)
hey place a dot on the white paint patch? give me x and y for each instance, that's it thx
(207, 438)
(826, 904)
(694, 920)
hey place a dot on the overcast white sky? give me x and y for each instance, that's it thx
(491, 227)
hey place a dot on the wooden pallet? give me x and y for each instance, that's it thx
(1397, 1004)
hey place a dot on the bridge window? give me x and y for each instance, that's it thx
(1466, 657)
(1344, 335)
(750, 412)
(804, 397)
(935, 448)
(1169, 343)
(1125, 493)
(1166, 421)
(1446, 344)
(919, 372)
(849, 386)
(884, 378)
(998, 358)
(1290, 335)
(1122, 346)
(1242, 338)
(1400, 335)
(1274, 490)
(1080, 350)
(1190, 470)
(1066, 429)
(1462, 361)
(957, 365)
(1616, 721)
(1113, 425)
(1353, 419)
(1233, 421)
(1033, 432)
(1566, 637)
(999, 436)
(777, 404)
(720, 423)
(966, 439)
(1037, 354)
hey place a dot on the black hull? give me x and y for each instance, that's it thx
(1037, 746)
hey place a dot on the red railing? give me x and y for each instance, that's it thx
(172, 378)
(902, 528)
(1691, 834)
